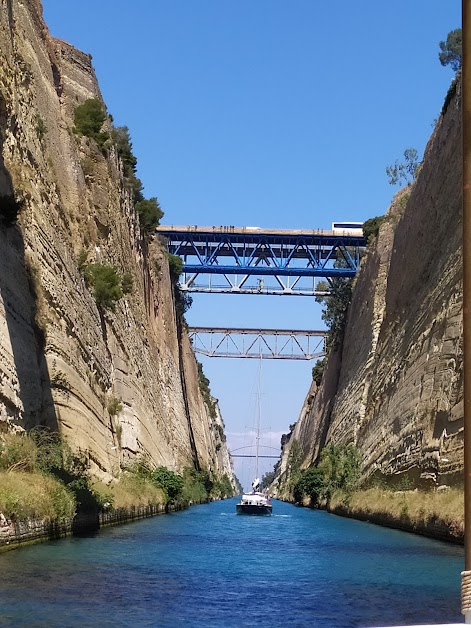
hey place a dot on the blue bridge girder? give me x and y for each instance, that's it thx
(240, 254)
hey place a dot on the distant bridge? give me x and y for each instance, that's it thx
(256, 455)
(284, 344)
(251, 260)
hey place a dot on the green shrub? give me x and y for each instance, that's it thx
(106, 283)
(183, 300)
(150, 213)
(220, 430)
(371, 227)
(203, 383)
(130, 491)
(195, 488)
(169, 481)
(175, 266)
(310, 484)
(89, 118)
(340, 466)
(338, 470)
(451, 50)
(42, 453)
(267, 479)
(318, 371)
(52, 453)
(222, 488)
(122, 140)
(18, 452)
(41, 128)
(114, 406)
(404, 171)
(335, 310)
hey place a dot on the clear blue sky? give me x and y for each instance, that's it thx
(273, 113)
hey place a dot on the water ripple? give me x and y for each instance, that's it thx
(208, 567)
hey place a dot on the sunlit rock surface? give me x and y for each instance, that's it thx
(395, 390)
(62, 360)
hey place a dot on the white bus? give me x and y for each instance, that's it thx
(347, 228)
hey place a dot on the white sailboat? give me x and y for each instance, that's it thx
(255, 502)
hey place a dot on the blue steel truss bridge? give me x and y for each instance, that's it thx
(251, 260)
(281, 344)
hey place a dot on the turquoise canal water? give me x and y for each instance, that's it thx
(207, 566)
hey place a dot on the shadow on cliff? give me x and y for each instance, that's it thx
(20, 301)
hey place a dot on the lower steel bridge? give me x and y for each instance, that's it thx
(282, 344)
(251, 260)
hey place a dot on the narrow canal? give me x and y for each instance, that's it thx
(207, 566)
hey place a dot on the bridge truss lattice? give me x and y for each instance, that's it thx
(282, 344)
(249, 260)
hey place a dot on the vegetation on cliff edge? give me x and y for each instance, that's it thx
(41, 478)
(89, 120)
(183, 300)
(335, 484)
(335, 310)
(205, 390)
(40, 464)
(451, 50)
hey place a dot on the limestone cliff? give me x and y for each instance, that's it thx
(64, 361)
(395, 389)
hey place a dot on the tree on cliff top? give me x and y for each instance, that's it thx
(407, 170)
(451, 50)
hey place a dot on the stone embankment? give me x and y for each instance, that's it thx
(16, 534)
(435, 528)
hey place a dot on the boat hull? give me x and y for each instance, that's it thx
(253, 509)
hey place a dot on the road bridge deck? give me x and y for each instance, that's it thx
(241, 254)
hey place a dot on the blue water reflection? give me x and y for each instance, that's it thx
(207, 566)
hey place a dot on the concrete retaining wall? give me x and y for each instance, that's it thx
(19, 533)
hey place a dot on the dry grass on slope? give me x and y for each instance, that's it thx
(34, 496)
(417, 510)
(130, 491)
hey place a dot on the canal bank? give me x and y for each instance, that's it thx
(22, 533)
(430, 526)
(434, 514)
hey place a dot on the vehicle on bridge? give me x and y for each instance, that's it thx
(347, 228)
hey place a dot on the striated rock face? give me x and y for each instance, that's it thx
(396, 389)
(64, 361)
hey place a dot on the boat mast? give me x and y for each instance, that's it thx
(257, 437)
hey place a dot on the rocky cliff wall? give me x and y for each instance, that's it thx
(63, 359)
(395, 391)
